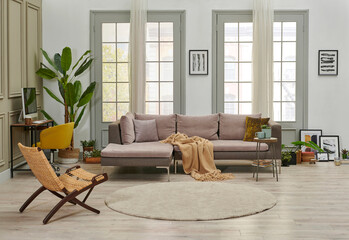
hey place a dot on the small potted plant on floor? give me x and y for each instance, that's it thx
(286, 156)
(93, 156)
(87, 146)
(344, 153)
(267, 131)
(306, 156)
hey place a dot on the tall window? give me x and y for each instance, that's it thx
(165, 69)
(238, 38)
(285, 36)
(115, 80)
(159, 68)
(232, 67)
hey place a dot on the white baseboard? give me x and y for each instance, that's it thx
(5, 175)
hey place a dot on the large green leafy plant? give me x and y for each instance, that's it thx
(72, 98)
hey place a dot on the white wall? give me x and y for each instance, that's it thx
(66, 23)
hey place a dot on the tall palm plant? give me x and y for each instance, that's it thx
(72, 98)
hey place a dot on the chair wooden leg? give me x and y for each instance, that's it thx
(32, 197)
(61, 196)
(84, 205)
(68, 198)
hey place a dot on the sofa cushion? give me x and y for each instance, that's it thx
(165, 124)
(253, 125)
(127, 128)
(234, 146)
(232, 126)
(202, 126)
(145, 130)
(134, 150)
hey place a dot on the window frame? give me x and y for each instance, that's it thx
(289, 129)
(100, 132)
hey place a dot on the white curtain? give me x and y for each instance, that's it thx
(263, 18)
(137, 54)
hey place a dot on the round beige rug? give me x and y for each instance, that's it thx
(190, 201)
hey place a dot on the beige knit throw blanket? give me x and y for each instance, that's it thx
(197, 157)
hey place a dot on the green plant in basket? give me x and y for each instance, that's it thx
(72, 96)
(88, 143)
(265, 127)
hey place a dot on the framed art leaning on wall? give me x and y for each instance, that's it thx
(198, 62)
(330, 144)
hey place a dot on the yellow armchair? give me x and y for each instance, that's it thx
(58, 137)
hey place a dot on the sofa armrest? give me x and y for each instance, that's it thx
(276, 132)
(114, 133)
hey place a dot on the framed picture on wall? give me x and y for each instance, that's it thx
(307, 135)
(322, 156)
(328, 62)
(198, 62)
(330, 143)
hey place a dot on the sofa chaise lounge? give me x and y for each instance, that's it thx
(225, 131)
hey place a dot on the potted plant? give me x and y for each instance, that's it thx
(87, 146)
(286, 156)
(72, 97)
(344, 153)
(267, 131)
(93, 156)
(306, 156)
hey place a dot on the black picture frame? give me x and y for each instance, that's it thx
(328, 63)
(322, 156)
(311, 132)
(198, 62)
(332, 148)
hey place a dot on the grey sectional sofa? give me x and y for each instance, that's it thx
(225, 131)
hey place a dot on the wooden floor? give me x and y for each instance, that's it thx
(313, 203)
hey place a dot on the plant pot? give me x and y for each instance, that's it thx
(68, 156)
(267, 132)
(306, 156)
(299, 157)
(293, 159)
(93, 160)
(88, 149)
(344, 156)
(285, 163)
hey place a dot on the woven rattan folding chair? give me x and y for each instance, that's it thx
(74, 182)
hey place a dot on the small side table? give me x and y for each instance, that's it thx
(271, 143)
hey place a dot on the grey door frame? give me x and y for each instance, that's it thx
(96, 18)
(302, 19)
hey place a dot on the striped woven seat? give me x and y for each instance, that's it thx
(72, 183)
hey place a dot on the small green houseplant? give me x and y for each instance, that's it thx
(344, 153)
(267, 131)
(87, 145)
(93, 156)
(286, 156)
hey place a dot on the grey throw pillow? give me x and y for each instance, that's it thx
(145, 130)
(127, 128)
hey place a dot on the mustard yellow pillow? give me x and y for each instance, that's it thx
(253, 125)
(264, 121)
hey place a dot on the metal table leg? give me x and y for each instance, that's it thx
(258, 151)
(276, 167)
(11, 151)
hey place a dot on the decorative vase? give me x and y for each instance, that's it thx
(267, 132)
(68, 156)
(344, 156)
